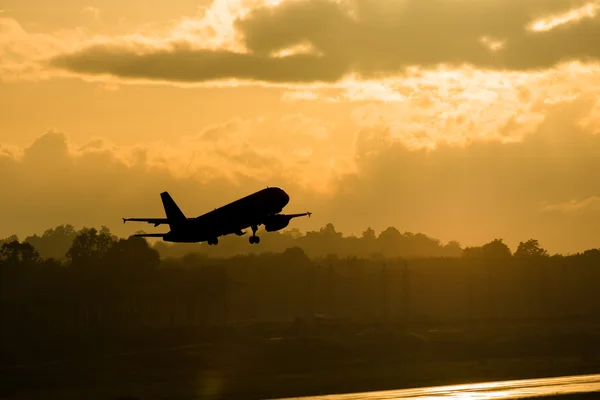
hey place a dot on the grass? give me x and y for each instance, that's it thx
(179, 375)
(250, 366)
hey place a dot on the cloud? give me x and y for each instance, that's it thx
(458, 153)
(293, 148)
(588, 10)
(482, 190)
(575, 206)
(54, 181)
(299, 95)
(308, 41)
(362, 38)
(375, 37)
(181, 63)
(23, 53)
(369, 175)
(461, 107)
(493, 45)
(94, 12)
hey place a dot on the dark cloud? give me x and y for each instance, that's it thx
(48, 148)
(183, 64)
(367, 37)
(385, 35)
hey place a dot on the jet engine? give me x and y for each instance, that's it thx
(276, 222)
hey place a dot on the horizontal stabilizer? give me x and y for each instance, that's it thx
(308, 213)
(158, 235)
(154, 221)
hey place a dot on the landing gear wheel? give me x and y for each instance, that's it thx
(254, 239)
(214, 241)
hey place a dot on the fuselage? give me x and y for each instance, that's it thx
(231, 218)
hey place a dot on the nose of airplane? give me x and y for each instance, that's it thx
(284, 197)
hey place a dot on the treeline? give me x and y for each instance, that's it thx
(326, 241)
(390, 243)
(54, 243)
(115, 283)
(72, 297)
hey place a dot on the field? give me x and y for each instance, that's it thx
(273, 362)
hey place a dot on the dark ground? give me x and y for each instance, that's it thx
(276, 362)
(168, 378)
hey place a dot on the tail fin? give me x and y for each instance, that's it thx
(174, 215)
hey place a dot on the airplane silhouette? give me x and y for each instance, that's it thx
(260, 208)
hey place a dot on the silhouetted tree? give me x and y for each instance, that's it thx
(293, 233)
(132, 253)
(389, 242)
(592, 253)
(472, 252)
(329, 229)
(295, 254)
(496, 249)
(127, 291)
(452, 249)
(15, 253)
(89, 247)
(369, 235)
(530, 248)
(54, 243)
(12, 238)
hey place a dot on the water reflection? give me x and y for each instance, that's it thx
(490, 390)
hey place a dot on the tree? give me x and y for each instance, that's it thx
(530, 248)
(592, 254)
(389, 242)
(54, 243)
(369, 235)
(329, 229)
(294, 233)
(89, 247)
(452, 249)
(131, 253)
(12, 238)
(391, 234)
(472, 252)
(295, 254)
(15, 253)
(495, 249)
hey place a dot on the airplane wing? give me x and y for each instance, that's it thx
(155, 221)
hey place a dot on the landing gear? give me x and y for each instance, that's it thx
(214, 241)
(254, 239)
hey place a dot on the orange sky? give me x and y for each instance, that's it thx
(467, 120)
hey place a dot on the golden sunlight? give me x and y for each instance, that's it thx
(589, 10)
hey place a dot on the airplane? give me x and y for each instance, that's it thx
(259, 208)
